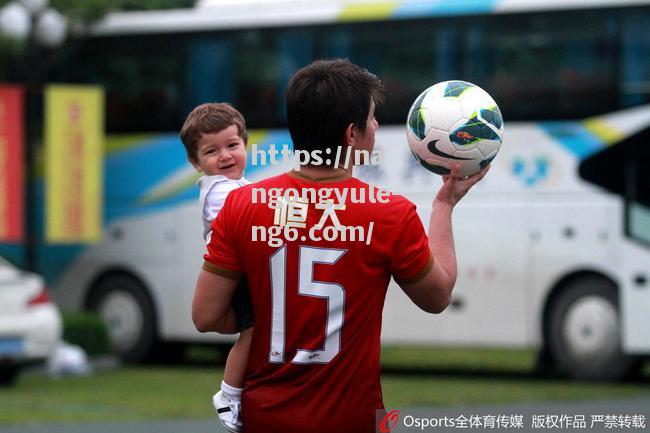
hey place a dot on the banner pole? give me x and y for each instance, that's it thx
(34, 74)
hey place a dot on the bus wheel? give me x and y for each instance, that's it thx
(126, 308)
(584, 334)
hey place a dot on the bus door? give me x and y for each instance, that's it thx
(624, 169)
(635, 305)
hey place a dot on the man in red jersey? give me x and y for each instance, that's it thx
(318, 294)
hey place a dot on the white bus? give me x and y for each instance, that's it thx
(553, 247)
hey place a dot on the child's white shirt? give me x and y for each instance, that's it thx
(214, 190)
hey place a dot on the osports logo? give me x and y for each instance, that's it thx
(390, 420)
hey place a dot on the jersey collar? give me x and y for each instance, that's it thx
(330, 176)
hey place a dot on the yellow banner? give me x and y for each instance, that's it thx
(74, 143)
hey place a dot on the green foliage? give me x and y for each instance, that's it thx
(86, 330)
(132, 5)
(79, 13)
(10, 50)
(88, 11)
(85, 11)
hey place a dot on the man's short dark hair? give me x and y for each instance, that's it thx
(324, 97)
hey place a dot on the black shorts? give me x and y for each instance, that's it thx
(241, 304)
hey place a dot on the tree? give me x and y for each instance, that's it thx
(87, 11)
(79, 14)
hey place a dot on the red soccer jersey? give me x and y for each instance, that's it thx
(314, 358)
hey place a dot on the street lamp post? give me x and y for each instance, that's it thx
(41, 27)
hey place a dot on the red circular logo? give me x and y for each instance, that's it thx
(390, 420)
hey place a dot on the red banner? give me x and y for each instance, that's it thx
(11, 163)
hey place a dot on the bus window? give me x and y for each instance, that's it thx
(209, 70)
(257, 75)
(335, 42)
(635, 58)
(639, 222)
(546, 65)
(142, 77)
(408, 57)
(295, 48)
(638, 204)
(576, 53)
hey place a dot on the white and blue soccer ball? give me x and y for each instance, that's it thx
(454, 122)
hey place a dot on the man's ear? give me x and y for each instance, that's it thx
(350, 134)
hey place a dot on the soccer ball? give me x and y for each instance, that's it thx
(454, 122)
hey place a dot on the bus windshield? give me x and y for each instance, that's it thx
(624, 169)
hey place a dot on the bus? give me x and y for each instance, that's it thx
(553, 246)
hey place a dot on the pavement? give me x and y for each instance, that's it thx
(551, 417)
(156, 426)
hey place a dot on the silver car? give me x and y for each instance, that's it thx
(30, 323)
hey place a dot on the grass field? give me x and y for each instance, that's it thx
(412, 378)
(426, 377)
